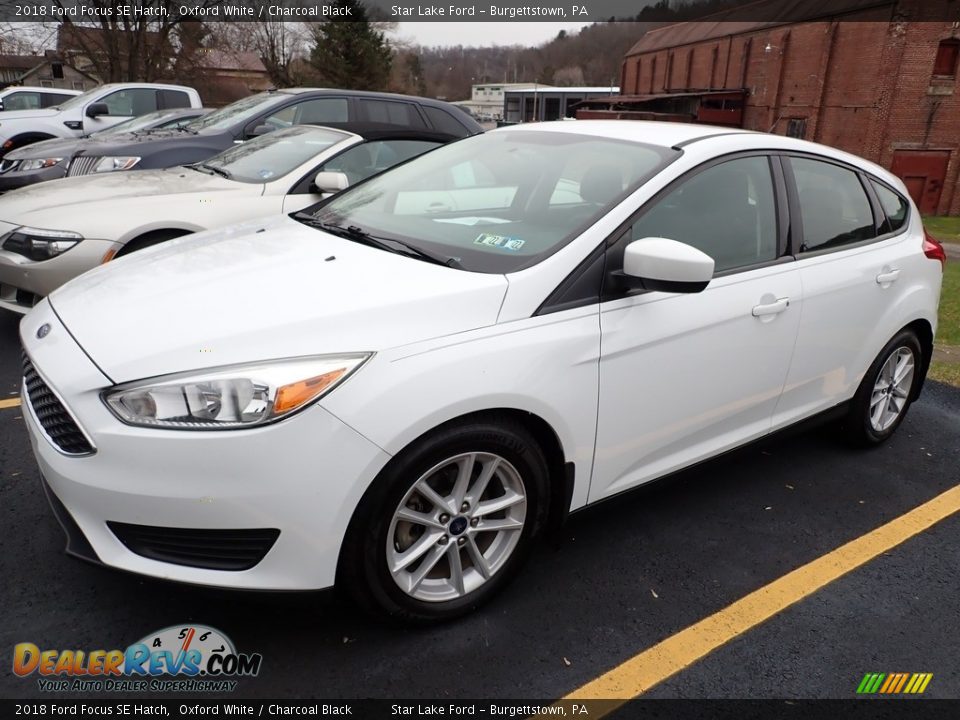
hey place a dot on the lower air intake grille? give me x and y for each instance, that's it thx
(53, 417)
(209, 549)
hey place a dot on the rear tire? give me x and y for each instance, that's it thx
(426, 543)
(886, 391)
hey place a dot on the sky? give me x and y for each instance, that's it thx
(482, 34)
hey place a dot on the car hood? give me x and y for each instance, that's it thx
(262, 290)
(49, 204)
(8, 115)
(143, 142)
(57, 147)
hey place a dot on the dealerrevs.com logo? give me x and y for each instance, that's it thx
(180, 658)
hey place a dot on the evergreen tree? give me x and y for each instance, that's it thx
(350, 52)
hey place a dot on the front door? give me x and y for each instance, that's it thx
(686, 376)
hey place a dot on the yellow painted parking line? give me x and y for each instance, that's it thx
(11, 403)
(668, 657)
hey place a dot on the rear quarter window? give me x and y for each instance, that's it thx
(443, 121)
(895, 207)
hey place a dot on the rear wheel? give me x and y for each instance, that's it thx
(887, 389)
(448, 522)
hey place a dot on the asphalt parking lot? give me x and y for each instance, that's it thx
(625, 576)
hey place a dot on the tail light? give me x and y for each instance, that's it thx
(933, 249)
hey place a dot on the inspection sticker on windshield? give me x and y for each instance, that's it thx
(499, 241)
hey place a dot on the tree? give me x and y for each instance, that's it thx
(350, 52)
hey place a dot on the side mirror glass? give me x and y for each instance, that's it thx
(97, 109)
(331, 182)
(667, 265)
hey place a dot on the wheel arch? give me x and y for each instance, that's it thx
(145, 234)
(27, 138)
(561, 471)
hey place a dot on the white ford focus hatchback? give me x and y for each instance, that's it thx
(400, 388)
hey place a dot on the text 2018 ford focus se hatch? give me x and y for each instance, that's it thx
(397, 389)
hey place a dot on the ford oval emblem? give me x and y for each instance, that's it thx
(43, 331)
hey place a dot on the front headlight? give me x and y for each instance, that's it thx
(40, 244)
(109, 164)
(38, 163)
(231, 397)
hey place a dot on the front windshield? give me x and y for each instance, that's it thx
(272, 156)
(236, 112)
(135, 123)
(502, 201)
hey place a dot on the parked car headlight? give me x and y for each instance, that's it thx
(231, 397)
(40, 244)
(119, 162)
(38, 163)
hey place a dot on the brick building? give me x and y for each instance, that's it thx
(879, 80)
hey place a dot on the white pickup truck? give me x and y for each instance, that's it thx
(94, 110)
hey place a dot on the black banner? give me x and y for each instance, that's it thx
(774, 11)
(915, 709)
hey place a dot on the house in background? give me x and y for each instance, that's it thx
(223, 76)
(48, 70)
(874, 80)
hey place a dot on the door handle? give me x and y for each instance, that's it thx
(888, 277)
(773, 308)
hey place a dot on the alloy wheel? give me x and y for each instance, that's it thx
(456, 527)
(891, 390)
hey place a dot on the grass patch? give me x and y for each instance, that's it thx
(943, 227)
(948, 331)
(948, 373)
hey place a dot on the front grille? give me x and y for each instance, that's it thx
(59, 426)
(209, 549)
(82, 165)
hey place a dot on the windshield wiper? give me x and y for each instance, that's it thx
(352, 232)
(219, 171)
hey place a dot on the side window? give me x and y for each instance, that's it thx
(444, 122)
(391, 113)
(728, 211)
(894, 206)
(21, 101)
(51, 99)
(172, 99)
(834, 208)
(362, 161)
(322, 111)
(132, 102)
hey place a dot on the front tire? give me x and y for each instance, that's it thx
(448, 522)
(886, 391)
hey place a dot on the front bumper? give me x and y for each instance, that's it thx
(303, 477)
(24, 282)
(13, 179)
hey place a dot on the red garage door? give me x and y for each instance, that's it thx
(923, 172)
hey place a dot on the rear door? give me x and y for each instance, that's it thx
(852, 261)
(686, 376)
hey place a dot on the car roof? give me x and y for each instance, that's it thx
(665, 134)
(34, 88)
(383, 131)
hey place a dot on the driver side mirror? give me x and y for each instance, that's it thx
(260, 130)
(95, 110)
(667, 265)
(331, 182)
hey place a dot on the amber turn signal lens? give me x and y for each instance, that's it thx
(296, 394)
(108, 256)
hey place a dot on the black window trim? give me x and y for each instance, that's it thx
(556, 301)
(879, 216)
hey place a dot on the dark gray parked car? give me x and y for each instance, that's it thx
(48, 159)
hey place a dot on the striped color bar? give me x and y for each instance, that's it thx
(894, 683)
